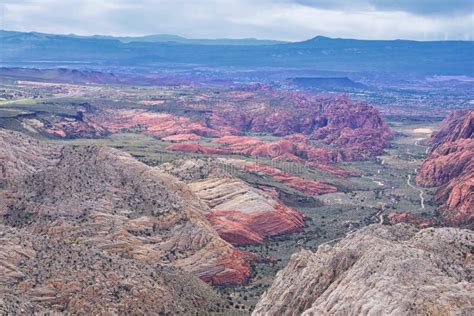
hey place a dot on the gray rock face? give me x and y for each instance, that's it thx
(379, 270)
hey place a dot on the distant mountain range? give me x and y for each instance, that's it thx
(319, 53)
(158, 38)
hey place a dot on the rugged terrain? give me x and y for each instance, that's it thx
(450, 167)
(379, 270)
(90, 229)
(240, 214)
(318, 129)
(232, 180)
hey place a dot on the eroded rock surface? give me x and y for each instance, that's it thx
(379, 270)
(82, 213)
(240, 213)
(450, 165)
(345, 130)
(44, 274)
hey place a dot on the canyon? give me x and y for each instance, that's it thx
(189, 198)
(450, 167)
(317, 129)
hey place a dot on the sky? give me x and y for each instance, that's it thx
(289, 20)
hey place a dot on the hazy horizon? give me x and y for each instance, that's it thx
(284, 20)
(231, 38)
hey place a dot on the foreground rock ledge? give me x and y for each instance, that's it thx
(379, 270)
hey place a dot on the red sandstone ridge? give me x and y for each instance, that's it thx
(244, 215)
(335, 120)
(241, 228)
(410, 218)
(450, 165)
(181, 137)
(299, 149)
(241, 214)
(311, 187)
(152, 123)
(229, 269)
(196, 148)
(282, 149)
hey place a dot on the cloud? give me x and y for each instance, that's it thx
(275, 19)
(419, 7)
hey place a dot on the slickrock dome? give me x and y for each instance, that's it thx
(379, 270)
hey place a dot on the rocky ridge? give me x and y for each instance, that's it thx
(94, 213)
(379, 270)
(240, 213)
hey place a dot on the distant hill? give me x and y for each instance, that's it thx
(160, 38)
(326, 83)
(165, 38)
(319, 53)
(60, 75)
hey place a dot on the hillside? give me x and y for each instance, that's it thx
(91, 230)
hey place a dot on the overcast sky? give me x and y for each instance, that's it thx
(270, 19)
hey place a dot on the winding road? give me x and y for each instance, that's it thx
(381, 218)
(422, 199)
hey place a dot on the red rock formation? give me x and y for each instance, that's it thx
(274, 150)
(240, 228)
(152, 123)
(297, 138)
(354, 131)
(241, 214)
(230, 269)
(450, 165)
(181, 137)
(335, 120)
(196, 148)
(311, 187)
(245, 215)
(457, 198)
(351, 130)
(239, 144)
(410, 218)
(229, 226)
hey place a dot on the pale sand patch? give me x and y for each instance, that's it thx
(423, 130)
